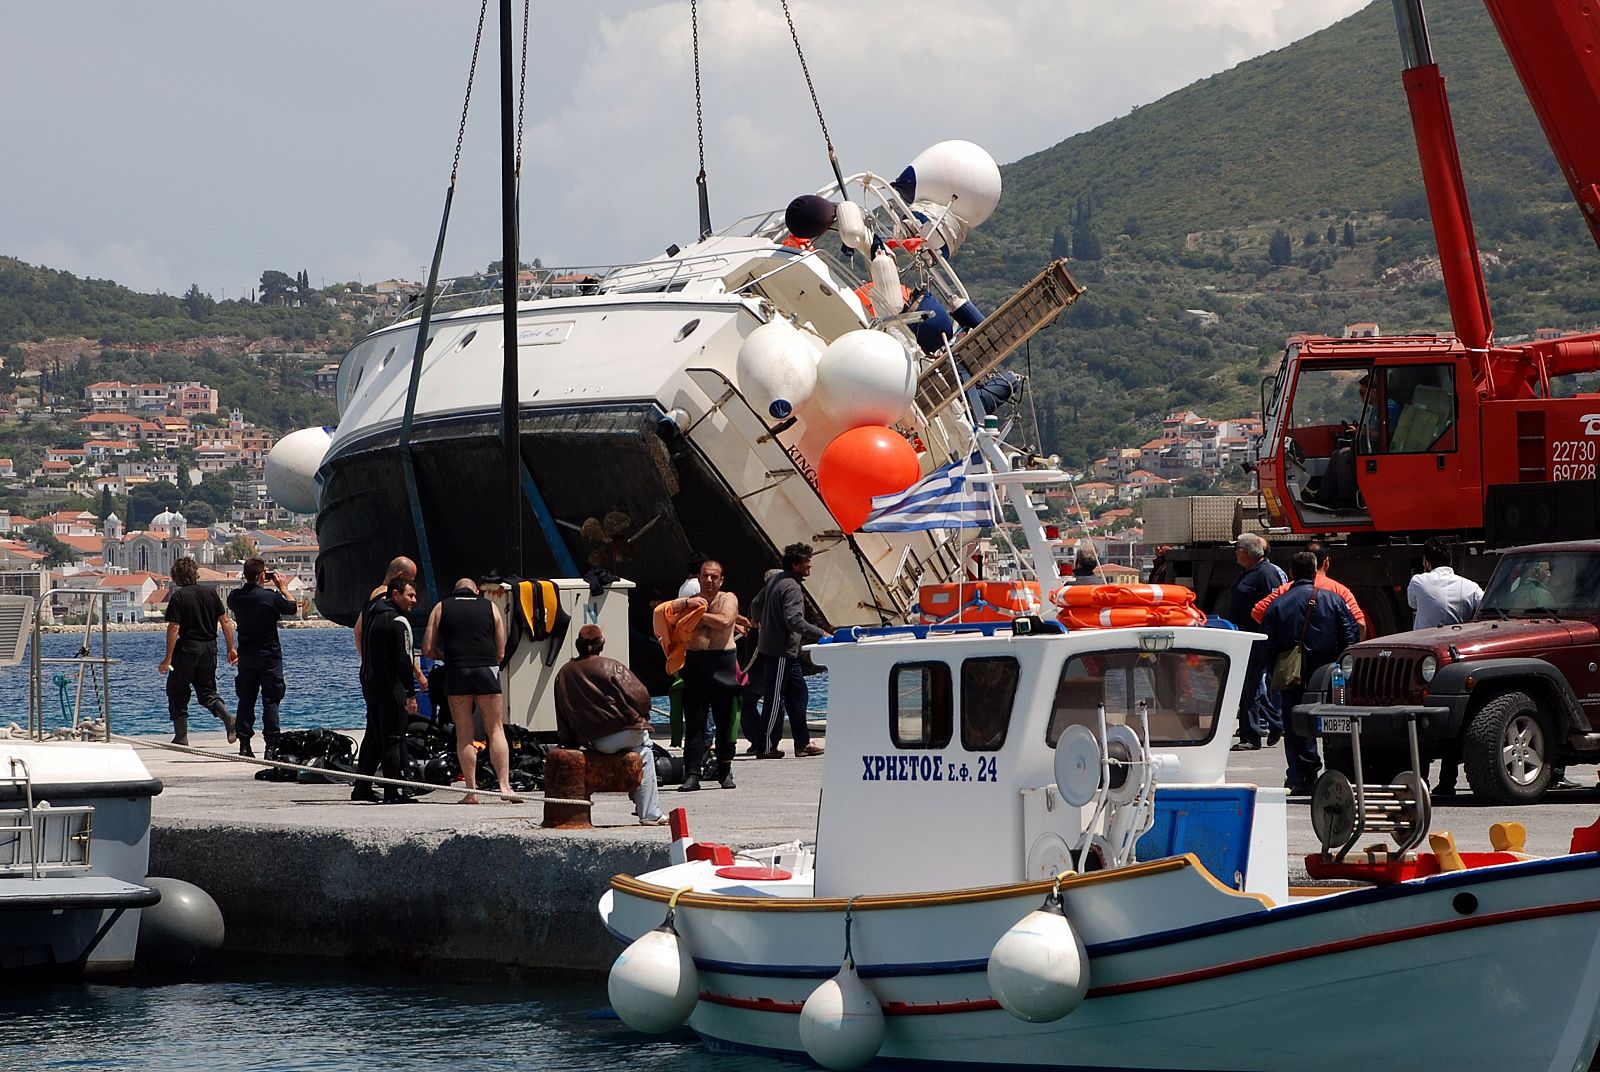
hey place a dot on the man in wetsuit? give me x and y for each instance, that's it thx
(466, 632)
(193, 614)
(257, 609)
(388, 684)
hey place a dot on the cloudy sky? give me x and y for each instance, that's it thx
(169, 143)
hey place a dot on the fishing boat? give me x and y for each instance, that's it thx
(1027, 855)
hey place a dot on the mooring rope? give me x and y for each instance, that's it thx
(338, 775)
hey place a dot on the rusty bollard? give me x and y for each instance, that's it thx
(576, 774)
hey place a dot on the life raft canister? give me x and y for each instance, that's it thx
(1115, 606)
(976, 601)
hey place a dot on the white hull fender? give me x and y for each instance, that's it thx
(1184, 974)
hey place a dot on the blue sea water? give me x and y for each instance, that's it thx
(266, 1019)
(319, 664)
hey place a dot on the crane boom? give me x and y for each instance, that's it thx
(1555, 47)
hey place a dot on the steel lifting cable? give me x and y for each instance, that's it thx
(699, 124)
(407, 463)
(833, 158)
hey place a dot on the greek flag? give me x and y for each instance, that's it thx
(953, 496)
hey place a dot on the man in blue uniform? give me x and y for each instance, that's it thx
(1259, 714)
(1319, 622)
(257, 609)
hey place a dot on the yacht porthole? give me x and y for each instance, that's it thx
(385, 362)
(687, 330)
(473, 334)
(429, 342)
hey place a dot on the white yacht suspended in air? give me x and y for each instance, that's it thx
(682, 403)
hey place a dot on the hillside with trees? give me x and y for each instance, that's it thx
(1284, 196)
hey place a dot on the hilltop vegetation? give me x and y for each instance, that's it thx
(1284, 196)
(40, 303)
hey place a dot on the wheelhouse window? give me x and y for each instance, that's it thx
(988, 687)
(919, 705)
(1183, 691)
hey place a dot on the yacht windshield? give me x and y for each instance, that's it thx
(1542, 583)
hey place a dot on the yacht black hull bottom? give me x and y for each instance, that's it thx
(587, 462)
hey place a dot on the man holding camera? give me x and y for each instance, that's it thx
(257, 608)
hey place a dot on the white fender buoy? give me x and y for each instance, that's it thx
(1038, 970)
(865, 377)
(852, 224)
(653, 984)
(841, 1024)
(888, 299)
(292, 466)
(954, 169)
(777, 368)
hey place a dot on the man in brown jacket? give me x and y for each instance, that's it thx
(601, 705)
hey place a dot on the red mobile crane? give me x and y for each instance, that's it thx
(1455, 435)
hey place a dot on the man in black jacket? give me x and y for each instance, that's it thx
(388, 684)
(193, 614)
(257, 609)
(1319, 622)
(780, 608)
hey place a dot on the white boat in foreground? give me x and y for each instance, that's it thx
(74, 849)
(75, 897)
(974, 770)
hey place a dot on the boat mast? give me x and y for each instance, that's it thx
(510, 265)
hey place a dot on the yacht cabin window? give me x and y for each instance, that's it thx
(987, 688)
(919, 705)
(1183, 690)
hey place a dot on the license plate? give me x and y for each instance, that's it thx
(1333, 724)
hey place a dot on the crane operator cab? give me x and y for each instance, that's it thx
(1346, 428)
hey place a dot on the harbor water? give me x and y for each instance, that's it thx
(320, 666)
(265, 1018)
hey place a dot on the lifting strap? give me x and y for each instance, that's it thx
(407, 463)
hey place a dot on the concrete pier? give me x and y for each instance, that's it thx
(301, 871)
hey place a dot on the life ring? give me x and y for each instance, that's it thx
(864, 295)
(1124, 617)
(1123, 595)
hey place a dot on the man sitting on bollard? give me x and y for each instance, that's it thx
(601, 705)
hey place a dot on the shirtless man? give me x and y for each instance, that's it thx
(710, 678)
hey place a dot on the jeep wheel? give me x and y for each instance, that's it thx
(1506, 750)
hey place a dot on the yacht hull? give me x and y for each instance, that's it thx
(585, 461)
